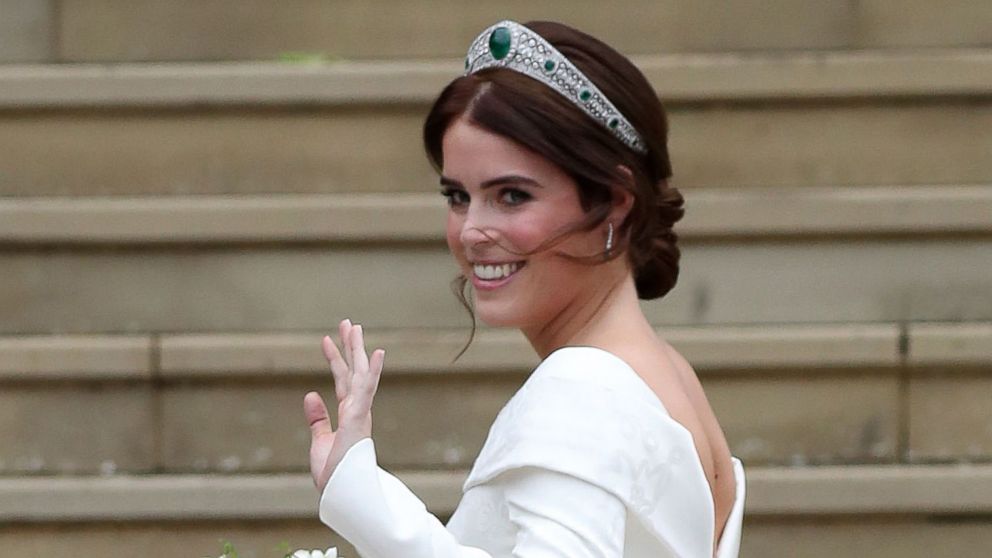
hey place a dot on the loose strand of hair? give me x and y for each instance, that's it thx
(458, 286)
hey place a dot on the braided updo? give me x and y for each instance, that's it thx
(531, 114)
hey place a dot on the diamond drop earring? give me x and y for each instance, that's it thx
(609, 240)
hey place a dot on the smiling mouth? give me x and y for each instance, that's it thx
(495, 272)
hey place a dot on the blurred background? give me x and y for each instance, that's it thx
(192, 192)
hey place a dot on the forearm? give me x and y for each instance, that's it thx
(380, 516)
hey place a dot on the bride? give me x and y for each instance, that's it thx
(553, 160)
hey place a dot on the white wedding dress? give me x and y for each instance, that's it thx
(584, 461)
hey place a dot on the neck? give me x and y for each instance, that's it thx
(611, 315)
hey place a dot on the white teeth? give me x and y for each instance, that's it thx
(489, 272)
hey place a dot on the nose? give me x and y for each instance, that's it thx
(476, 232)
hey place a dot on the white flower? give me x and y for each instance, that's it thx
(329, 553)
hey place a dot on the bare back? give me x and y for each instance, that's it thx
(675, 383)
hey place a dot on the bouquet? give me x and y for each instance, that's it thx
(229, 552)
(329, 553)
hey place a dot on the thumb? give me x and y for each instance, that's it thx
(317, 416)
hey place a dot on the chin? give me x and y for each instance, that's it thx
(494, 313)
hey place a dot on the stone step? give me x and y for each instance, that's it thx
(824, 394)
(883, 512)
(185, 356)
(369, 218)
(108, 31)
(679, 79)
(902, 536)
(929, 490)
(824, 120)
(306, 286)
(368, 149)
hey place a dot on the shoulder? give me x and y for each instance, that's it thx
(581, 413)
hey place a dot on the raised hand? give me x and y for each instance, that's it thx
(356, 378)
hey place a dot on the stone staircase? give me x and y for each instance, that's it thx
(192, 193)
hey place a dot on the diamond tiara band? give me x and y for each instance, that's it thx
(509, 44)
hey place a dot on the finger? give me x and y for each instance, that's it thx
(339, 368)
(359, 379)
(360, 362)
(375, 371)
(344, 330)
(364, 385)
(317, 416)
(359, 358)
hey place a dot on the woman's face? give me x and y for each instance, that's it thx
(504, 202)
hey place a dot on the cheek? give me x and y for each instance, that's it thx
(558, 270)
(453, 235)
(528, 232)
(567, 265)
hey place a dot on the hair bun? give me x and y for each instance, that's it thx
(656, 257)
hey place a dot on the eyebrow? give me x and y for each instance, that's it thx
(498, 181)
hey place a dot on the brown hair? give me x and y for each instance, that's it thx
(532, 114)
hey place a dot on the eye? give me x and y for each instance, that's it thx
(456, 196)
(514, 196)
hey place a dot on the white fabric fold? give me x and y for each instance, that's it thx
(553, 515)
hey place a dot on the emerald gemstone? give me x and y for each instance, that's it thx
(550, 65)
(466, 62)
(585, 95)
(613, 123)
(499, 42)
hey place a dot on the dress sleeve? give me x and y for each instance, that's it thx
(554, 515)
(380, 516)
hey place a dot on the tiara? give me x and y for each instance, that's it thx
(509, 44)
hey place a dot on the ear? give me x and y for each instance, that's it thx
(622, 196)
